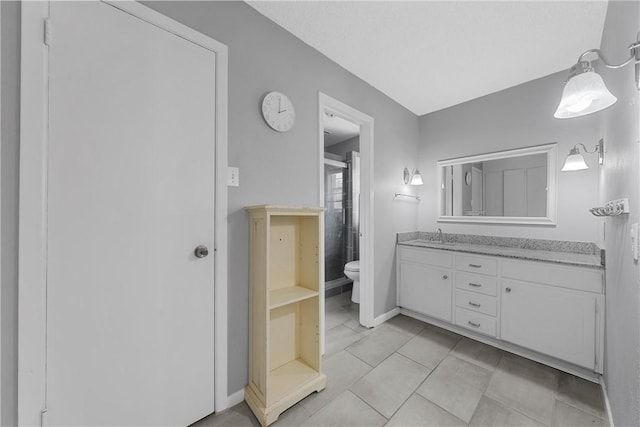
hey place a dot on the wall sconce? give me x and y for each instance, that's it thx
(575, 161)
(413, 177)
(585, 92)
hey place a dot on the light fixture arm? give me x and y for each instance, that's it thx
(634, 56)
(595, 150)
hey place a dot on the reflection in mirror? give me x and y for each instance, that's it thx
(512, 184)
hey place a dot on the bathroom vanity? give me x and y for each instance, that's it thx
(547, 305)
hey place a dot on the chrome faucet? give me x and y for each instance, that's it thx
(439, 235)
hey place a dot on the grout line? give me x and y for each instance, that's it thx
(362, 400)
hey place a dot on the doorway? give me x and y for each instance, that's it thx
(345, 165)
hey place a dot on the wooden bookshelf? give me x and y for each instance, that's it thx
(284, 320)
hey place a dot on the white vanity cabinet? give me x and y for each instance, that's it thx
(550, 312)
(427, 279)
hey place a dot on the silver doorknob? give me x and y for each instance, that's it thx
(201, 251)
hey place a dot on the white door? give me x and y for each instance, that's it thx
(130, 317)
(477, 190)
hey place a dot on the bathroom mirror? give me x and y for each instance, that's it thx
(506, 187)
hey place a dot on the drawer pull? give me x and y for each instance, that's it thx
(476, 325)
(475, 284)
(473, 304)
(445, 277)
(475, 265)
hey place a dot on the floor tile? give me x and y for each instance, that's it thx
(388, 385)
(342, 370)
(335, 317)
(582, 394)
(478, 353)
(565, 415)
(490, 413)
(237, 416)
(338, 338)
(354, 323)
(429, 347)
(457, 386)
(338, 302)
(292, 417)
(379, 344)
(526, 386)
(346, 410)
(418, 411)
(406, 324)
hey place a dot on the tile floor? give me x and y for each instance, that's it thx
(408, 373)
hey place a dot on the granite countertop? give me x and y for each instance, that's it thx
(559, 257)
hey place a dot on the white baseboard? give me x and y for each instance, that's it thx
(607, 404)
(386, 316)
(235, 398)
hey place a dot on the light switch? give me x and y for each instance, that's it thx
(233, 177)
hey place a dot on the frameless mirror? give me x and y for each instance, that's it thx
(511, 187)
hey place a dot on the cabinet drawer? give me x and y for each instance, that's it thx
(475, 264)
(476, 321)
(582, 279)
(425, 256)
(477, 302)
(477, 283)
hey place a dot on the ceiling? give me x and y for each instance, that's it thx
(337, 129)
(430, 55)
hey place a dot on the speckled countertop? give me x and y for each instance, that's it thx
(568, 253)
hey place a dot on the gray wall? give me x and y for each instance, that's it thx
(264, 57)
(621, 178)
(517, 117)
(342, 148)
(10, 96)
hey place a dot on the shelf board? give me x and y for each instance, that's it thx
(288, 378)
(284, 296)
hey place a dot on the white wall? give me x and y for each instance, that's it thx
(621, 178)
(283, 168)
(342, 148)
(517, 117)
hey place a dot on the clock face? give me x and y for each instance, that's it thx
(278, 111)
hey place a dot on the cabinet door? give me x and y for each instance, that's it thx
(554, 321)
(426, 289)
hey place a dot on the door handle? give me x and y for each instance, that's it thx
(201, 251)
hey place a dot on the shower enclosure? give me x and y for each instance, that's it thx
(341, 220)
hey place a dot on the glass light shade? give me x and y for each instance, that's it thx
(417, 178)
(584, 94)
(574, 161)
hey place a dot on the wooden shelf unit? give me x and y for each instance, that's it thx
(284, 319)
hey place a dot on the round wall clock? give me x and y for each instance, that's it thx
(278, 111)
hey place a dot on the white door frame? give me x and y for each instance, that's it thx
(32, 256)
(332, 105)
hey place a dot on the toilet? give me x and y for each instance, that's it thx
(352, 271)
